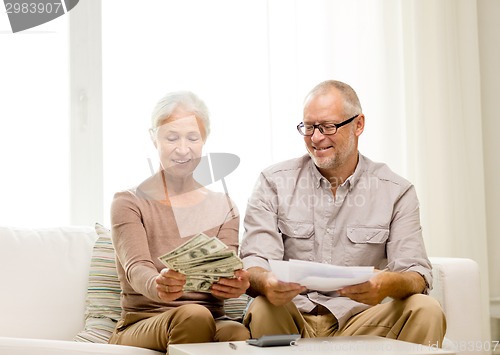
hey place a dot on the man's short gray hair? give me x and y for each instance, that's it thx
(352, 106)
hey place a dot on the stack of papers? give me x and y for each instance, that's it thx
(318, 276)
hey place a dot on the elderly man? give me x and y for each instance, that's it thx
(334, 205)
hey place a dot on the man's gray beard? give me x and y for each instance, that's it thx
(336, 161)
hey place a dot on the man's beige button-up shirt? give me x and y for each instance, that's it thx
(372, 221)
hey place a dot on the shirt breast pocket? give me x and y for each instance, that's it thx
(366, 245)
(297, 239)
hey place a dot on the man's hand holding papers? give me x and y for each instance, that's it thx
(318, 276)
(277, 292)
(397, 285)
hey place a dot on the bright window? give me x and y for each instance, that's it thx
(34, 116)
(218, 50)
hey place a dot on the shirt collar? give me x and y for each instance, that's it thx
(351, 180)
(316, 175)
(360, 168)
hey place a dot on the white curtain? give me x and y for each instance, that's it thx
(415, 66)
(444, 120)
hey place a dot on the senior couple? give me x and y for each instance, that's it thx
(384, 231)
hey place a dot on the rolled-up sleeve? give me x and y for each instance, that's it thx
(405, 248)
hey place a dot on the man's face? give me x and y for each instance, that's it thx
(330, 151)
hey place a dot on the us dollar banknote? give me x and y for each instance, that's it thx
(204, 260)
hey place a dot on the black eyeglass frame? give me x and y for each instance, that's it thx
(320, 127)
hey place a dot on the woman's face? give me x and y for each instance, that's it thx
(179, 142)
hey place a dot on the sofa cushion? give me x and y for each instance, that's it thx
(103, 308)
(17, 346)
(44, 274)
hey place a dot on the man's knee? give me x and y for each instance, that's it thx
(426, 308)
(423, 303)
(264, 318)
(261, 307)
(260, 303)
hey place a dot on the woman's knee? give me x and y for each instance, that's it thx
(195, 313)
(192, 323)
(231, 331)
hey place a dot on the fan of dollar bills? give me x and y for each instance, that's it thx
(203, 260)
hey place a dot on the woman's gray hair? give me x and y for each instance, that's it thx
(185, 100)
(352, 106)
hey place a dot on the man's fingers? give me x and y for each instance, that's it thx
(356, 289)
(281, 286)
(280, 297)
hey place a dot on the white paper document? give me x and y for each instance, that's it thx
(318, 276)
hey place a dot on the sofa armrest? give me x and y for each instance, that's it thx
(45, 271)
(457, 288)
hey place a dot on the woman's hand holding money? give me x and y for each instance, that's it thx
(232, 287)
(169, 284)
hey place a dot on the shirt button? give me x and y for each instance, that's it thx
(329, 230)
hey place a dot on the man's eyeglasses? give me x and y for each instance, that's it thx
(325, 128)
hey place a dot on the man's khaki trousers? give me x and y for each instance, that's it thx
(417, 319)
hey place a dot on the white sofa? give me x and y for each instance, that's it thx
(44, 275)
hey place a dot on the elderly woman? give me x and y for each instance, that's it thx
(161, 214)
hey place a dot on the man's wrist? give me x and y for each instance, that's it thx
(403, 284)
(257, 278)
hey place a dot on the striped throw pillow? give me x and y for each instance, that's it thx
(103, 295)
